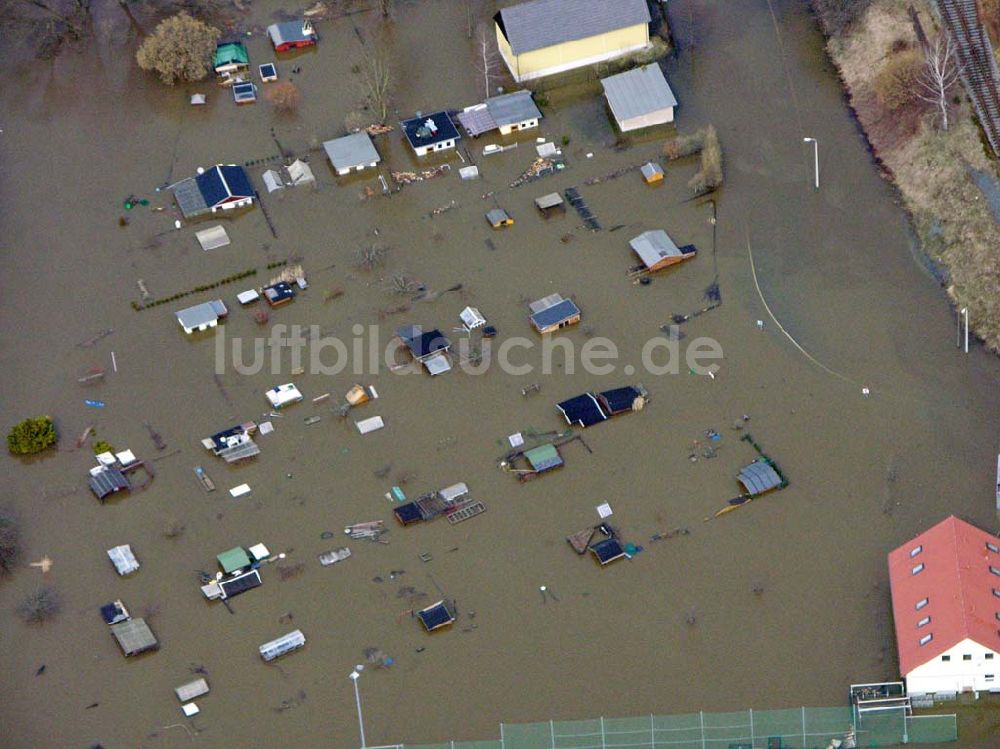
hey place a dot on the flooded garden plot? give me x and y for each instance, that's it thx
(714, 609)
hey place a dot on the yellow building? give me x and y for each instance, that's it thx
(544, 37)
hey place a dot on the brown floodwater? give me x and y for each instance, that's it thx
(836, 267)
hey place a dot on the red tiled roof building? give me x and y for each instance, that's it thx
(946, 606)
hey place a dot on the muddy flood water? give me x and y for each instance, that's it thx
(780, 604)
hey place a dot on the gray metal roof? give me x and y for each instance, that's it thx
(351, 151)
(759, 477)
(189, 198)
(638, 92)
(543, 23)
(652, 246)
(511, 109)
(108, 481)
(198, 315)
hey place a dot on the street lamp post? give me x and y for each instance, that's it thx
(354, 675)
(815, 157)
(965, 319)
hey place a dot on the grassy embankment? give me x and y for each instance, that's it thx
(929, 165)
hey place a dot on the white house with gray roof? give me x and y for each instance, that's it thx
(201, 316)
(352, 153)
(640, 98)
(543, 37)
(507, 113)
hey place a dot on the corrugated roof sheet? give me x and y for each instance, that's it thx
(108, 481)
(638, 92)
(956, 581)
(351, 151)
(759, 477)
(544, 23)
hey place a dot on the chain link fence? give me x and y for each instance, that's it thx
(797, 728)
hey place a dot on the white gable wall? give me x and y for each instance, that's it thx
(951, 672)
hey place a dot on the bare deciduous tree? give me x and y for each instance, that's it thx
(940, 72)
(376, 82)
(385, 8)
(487, 56)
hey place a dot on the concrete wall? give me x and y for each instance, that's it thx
(957, 674)
(576, 54)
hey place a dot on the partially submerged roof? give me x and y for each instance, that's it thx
(134, 636)
(205, 313)
(759, 477)
(123, 559)
(947, 574)
(351, 151)
(510, 109)
(428, 129)
(638, 92)
(552, 200)
(108, 481)
(423, 343)
(620, 399)
(233, 559)
(544, 457)
(213, 238)
(555, 314)
(543, 23)
(231, 53)
(654, 246)
(582, 410)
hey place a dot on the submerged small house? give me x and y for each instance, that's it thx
(431, 132)
(221, 188)
(233, 444)
(543, 37)
(430, 347)
(640, 98)
(507, 113)
(230, 61)
(592, 408)
(352, 153)
(760, 477)
(292, 35)
(543, 458)
(437, 615)
(657, 250)
(105, 481)
(283, 395)
(553, 312)
(133, 635)
(499, 218)
(284, 644)
(583, 410)
(279, 293)
(201, 317)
